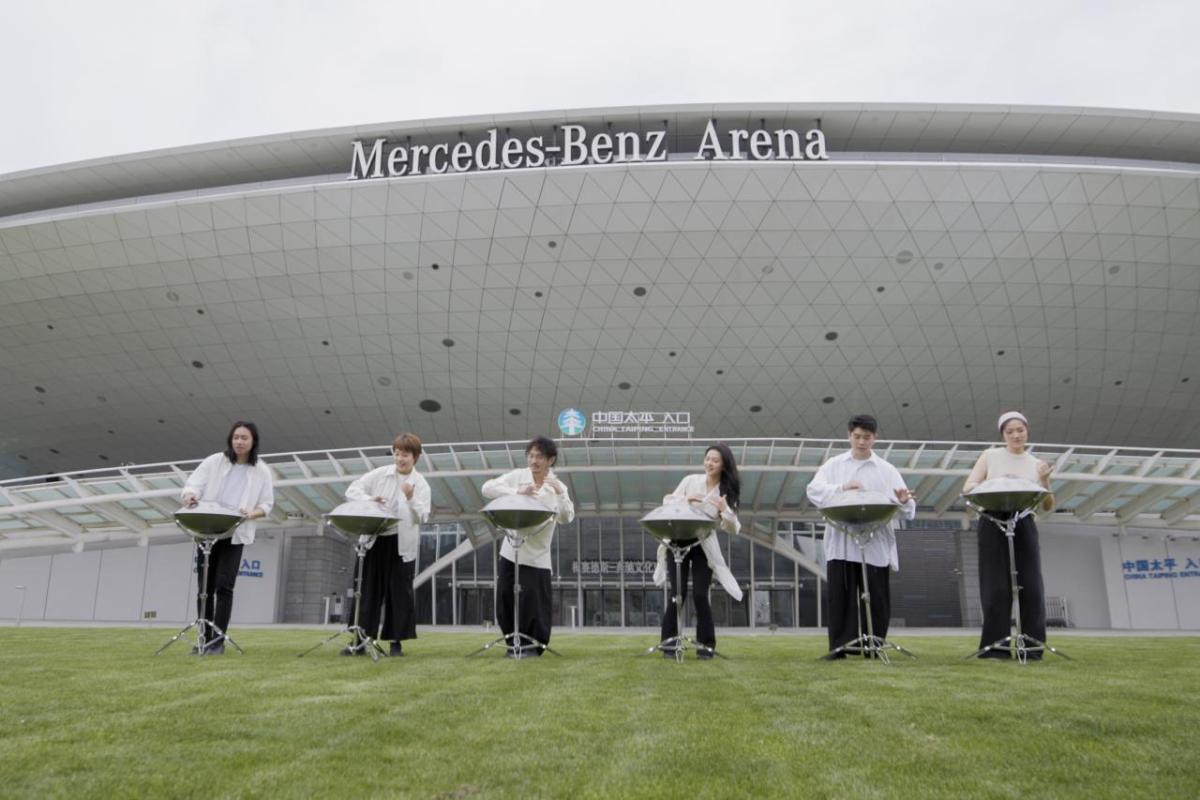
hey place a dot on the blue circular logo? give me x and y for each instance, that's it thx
(571, 422)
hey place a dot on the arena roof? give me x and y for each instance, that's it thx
(944, 263)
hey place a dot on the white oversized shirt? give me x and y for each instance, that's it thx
(535, 552)
(876, 475)
(208, 480)
(387, 482)
(697, 486)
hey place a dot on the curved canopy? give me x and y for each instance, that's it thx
(618, 477)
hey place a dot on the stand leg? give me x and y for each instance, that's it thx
(678, 644)
(869, 645)
(1018, 644)
(518, 645)
(359, 640)
(202, 625)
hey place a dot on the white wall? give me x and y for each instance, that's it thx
(1144, 591)
(1072, 567)
(123, 584)
(34, 574)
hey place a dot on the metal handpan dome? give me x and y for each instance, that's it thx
(1006, 495)
(677, 520)
(208, 520)
(860, 507)
(516, 511)
(362, 518)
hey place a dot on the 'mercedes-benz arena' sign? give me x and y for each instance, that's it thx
(380, 159)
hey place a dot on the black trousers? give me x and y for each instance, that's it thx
(694, 563)
(995, 590)
(387, 591)
(844, 582)
(537, 602)
(223, 565)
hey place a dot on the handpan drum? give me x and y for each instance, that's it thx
(860, 507)
(362, 518)
(677, 520)
(208, 520)
(516, 511)
(1006, 495)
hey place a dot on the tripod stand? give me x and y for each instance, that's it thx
(868, 644)
(520, 645)
(202, 625)
(359, 640)
(680, 642)
(1020, 644)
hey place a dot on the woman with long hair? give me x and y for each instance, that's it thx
(236, 479)
(718, 491)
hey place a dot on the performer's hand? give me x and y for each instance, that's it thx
(721, 505)
(1044, 470)
(850, 486)
(380, 499)
(408, 491)
(250, 513)
(190, 500)
(695, 498)
(528, 489)
(903, 495)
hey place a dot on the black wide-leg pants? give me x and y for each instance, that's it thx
(995, 590)
(694, 563)
(388, 593)
(844, 595)
(537, 602)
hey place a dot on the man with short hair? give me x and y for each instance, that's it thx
(859, 468)
(537, 480)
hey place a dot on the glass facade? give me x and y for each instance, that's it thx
(603, 576)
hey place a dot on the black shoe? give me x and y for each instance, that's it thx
(705, 655)
(669, 654)
(395, 650)
(510, 653)
(216, 648)
(355, 649)
(833, 656)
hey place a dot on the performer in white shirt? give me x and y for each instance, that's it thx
(388, 569)
(236, 479)
(718, 491)
(537, 603)
(859, 468)
(995, 591)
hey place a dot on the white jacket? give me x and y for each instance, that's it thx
(205, 483)
(697, 485)
(386, 482)
(535, 552)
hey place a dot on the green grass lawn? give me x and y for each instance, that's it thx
(93, 713)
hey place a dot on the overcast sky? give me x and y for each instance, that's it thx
(104, 77)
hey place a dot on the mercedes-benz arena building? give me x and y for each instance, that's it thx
(637, 282)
